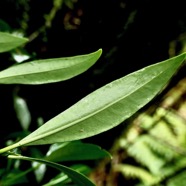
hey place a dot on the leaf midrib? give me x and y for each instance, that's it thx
(49, 133)
(46, 71)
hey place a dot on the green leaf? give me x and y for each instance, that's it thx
(49, 70)
(14, 177)
(76, 177)
(108, 106)
(137, 172)
(62, 178)
(22, 112)
(9, 41)
(74, 151)
(105, 108)
(39, 170)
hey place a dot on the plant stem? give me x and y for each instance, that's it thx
(10, 147)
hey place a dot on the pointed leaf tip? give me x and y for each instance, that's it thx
(10, 41)
(108, 106)
(49, 70)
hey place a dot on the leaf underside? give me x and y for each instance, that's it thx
(108, 106)
(48, 70)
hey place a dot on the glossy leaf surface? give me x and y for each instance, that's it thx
(106, 107)
(49, 70)
(9, 41)
(76, 177)
(74, 151)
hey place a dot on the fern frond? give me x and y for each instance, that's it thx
(162, 131)
(174, 121)
(130, 171)
(178, 180)
(144, 155)
(158, 148)
(179, 125)
(171, 168)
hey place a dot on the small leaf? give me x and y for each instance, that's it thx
(22, 111)
(49, 70)
(20, 55)
(76, 177)
(39, 170)
(106, 107)
(9, 41)
(74, 151)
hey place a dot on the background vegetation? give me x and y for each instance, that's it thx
(132, 34)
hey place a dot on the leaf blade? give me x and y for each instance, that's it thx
(76, 151)
(108, 106)
(9, 41)
(77, 177)
(49, 70)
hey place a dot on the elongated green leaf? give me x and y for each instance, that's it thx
(106, 107)
(76, 177)
(76, 151)
(49, 70)
(9, 41)
(62, 178)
